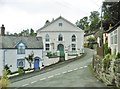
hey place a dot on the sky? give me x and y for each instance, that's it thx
(17, 15)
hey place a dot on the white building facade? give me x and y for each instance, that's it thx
(60, 34)
(113, 38)
(13, 51)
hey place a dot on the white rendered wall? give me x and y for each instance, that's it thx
(11, 57)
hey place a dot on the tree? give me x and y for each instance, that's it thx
(94, 20)
(111, 14)
(83, 23)
(30, 59)
(32, 33)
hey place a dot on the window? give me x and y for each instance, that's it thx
(60, 37)
(47, 46)
(47, 38)
(21, 49)
(113, 36)
(115, 39)
(73, 38)
(111, 39)
(60, 24)
(73, 47)
(20, 62)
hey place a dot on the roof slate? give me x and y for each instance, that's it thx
(113, 28)
(11, 42)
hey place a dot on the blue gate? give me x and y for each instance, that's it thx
(36, 63)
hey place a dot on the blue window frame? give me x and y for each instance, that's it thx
(21, 49)
(20, 62)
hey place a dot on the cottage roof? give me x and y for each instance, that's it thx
(10, 42)
(113, 28)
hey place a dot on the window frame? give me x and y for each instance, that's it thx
(60, 24)
(20, 60)
(21, 49)
(47, 47)
(47, 38)
(73, 47)
(73, 38)
(60, 37)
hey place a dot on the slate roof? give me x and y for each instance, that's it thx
(113, 28)
(11, 42)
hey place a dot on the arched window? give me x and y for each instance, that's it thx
(60, 37)
(47, 38)
(73, 38)
(21, 49)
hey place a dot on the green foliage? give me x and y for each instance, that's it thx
(118, 55)
(51, 55)
(7, 69)
(4, 81)
(91, 23)
(83, 23)
(21, 70)
(30, 59)
(32, 33)
(91, 39)
(107, 50)
(106, 61)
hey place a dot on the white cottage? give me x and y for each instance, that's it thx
(13, 51)
(114, 38)
(62, 36)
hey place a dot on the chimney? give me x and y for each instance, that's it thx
(2, 30)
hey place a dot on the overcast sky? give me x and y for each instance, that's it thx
(17, 15)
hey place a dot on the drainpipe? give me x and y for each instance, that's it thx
(4, 57)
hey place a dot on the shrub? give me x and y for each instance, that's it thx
(106, 61)
(7, 69)
(118, 55)
(51, 55)
(21, 70)
(107, 50)
(4, 82)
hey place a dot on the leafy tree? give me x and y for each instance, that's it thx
(30, 59)
(83, 23)
(111, 14)
(91, 23)
(32, 33)
(94, 20)
(91, 40)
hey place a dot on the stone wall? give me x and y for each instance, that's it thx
(110, 77)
